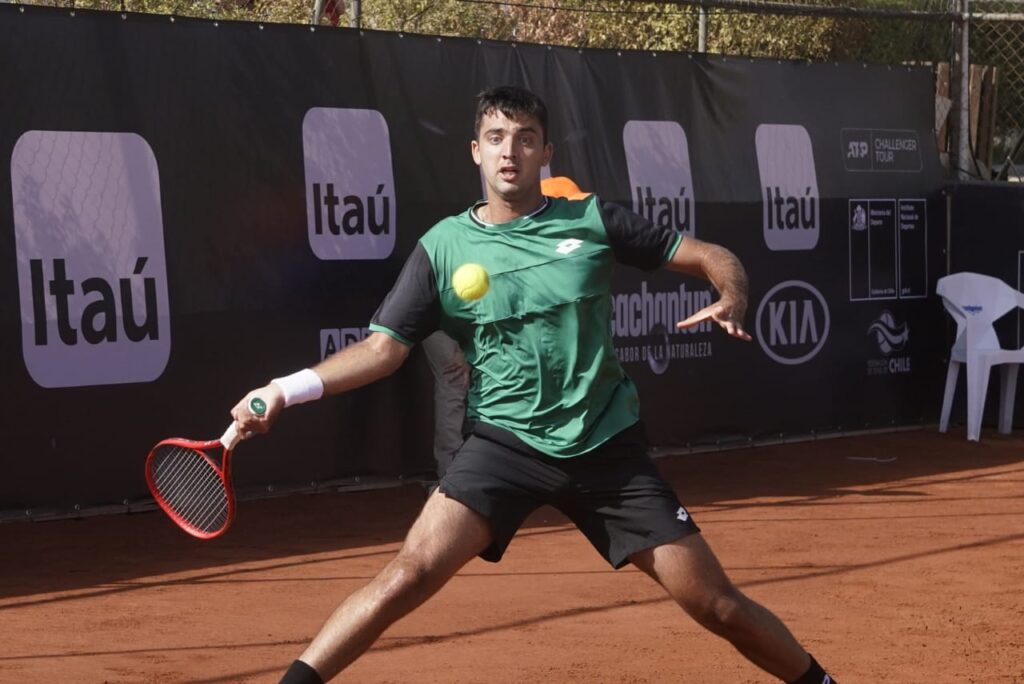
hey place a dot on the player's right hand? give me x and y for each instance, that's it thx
(249, 423)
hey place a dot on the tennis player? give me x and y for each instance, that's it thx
(451, 381)
(556, 419)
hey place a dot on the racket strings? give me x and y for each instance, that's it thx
(191, 487)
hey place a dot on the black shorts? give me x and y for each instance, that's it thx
(614, 494)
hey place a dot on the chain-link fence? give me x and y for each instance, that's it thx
(996, 39)
(975, 46)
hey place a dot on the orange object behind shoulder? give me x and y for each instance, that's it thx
(562, 186)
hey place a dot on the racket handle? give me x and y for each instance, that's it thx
(231, 437)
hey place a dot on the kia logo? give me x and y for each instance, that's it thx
(792, 322)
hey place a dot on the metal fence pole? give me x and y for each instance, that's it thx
(963, 152)
(702, 29)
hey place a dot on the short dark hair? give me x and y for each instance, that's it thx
(514, 102)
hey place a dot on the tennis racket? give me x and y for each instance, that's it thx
(191, 481)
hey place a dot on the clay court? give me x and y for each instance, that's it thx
(894, 557)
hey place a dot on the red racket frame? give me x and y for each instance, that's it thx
(223, 471)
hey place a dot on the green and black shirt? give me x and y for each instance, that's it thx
(540, 340)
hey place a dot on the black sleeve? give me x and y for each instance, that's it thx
(412, 310)
(635, 240)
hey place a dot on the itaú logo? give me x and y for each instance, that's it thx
(789, 182)
(350, 185)
(92, 273)
(792, 322)
(658, 162)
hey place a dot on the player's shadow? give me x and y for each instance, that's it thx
(123, 553)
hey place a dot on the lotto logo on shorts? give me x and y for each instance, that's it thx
(350, 185)
(92, 274)
(658, 160)
(789, 187)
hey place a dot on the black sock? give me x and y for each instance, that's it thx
(814, 675)
(301, 673)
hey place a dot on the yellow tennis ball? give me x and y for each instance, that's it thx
(470, 282)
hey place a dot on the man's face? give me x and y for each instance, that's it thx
(510, 153)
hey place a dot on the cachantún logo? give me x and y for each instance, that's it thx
(644, 326)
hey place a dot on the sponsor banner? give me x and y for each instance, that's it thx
(866, 149)
(785, 162)
(658, 160)
(889, 339)
(888, 249)
(248, 218)
(350, 187)
(92, 279)
(644, 326)
(793, 322)
(335, 339)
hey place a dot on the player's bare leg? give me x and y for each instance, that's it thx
(692, 575)
(445, 536)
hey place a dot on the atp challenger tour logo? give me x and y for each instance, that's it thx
(792, 322)
(658, 160)
(644, 326)
(350, 186)
(92, 278)
(789, 187)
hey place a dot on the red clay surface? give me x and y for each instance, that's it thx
(909, 570)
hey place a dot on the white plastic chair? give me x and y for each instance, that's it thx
(976, 302)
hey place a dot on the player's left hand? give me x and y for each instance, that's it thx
(725, 313)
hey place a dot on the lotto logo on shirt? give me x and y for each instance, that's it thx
(92, 274)
(789, 187)
(350, 185)
(658, 160)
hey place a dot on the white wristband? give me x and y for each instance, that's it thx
(298, 388)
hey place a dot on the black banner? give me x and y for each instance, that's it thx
(986, 235)
(191, 208)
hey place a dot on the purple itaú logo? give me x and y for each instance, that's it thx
(92, 277)
(785, 162)
(658, 161)
(350, 185)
